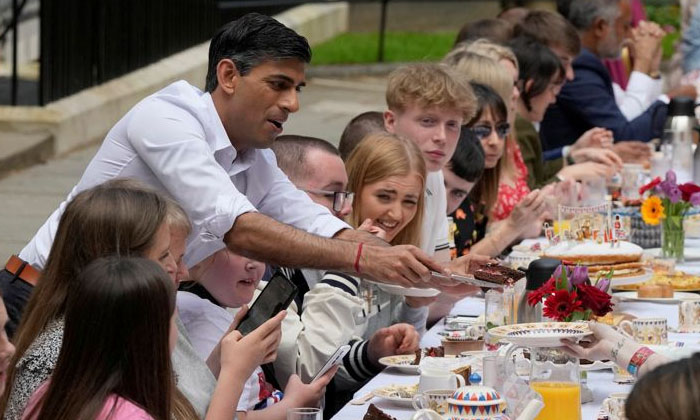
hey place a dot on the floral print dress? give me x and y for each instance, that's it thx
(510, 195)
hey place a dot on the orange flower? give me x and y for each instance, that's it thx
(652, 210)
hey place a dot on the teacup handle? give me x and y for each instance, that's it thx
(460, 380)
(419, 401)
(622, 328)
(427, 414)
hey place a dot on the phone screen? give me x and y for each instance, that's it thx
(275, 297)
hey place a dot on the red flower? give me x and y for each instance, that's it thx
(534, 297)
(598, 301)
(656, 181)
(688, 189)
(561, 304)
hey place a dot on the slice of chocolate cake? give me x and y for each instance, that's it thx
(419, 355)
(373, 413)
(494, 273)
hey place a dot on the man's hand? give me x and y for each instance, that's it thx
(604, 156)
(595, 137)
(683, 90)
(645, 47)
(586, 170)
(404, 265)
(633, 151)
(397, 339)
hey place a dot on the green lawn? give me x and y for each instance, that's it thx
(399, 46)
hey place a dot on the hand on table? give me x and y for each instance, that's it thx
(587, 170)
(389, 341)
(604, 156)
(632, 151)
(596, 137)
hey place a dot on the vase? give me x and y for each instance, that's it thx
(673, 238)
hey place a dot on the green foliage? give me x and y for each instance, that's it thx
(399, 46)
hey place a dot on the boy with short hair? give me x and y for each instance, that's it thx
(428, 103)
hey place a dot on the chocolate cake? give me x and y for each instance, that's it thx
(373, 413)
(494, 273)
(429, 352)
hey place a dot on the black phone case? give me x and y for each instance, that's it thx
(245, 326)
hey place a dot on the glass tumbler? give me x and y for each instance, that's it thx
(304, 414)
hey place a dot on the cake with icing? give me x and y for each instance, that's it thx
(594, 253)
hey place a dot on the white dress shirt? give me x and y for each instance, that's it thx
(174, 141)
(640, 93)
(435, 231)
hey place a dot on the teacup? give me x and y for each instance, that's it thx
(435, 399)
(431, 379)
(689, 316)
(614, 405)
(646, 330)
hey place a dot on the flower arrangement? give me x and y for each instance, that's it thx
(668, 205)
(569, 295)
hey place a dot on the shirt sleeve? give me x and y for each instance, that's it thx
(171, 142)
(641, 92)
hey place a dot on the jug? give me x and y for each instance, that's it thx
(678, 132)
(556, 376)
(537, 274)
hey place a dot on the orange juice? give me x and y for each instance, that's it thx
(562, 400)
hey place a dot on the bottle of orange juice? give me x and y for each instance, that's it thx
(555, 375)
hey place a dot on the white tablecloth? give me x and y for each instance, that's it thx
(600, 382)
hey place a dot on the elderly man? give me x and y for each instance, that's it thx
(208, 151)
(589, 99)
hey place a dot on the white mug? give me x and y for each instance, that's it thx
(435, 399)
(689, 316)
(431, 379)
(646, 330)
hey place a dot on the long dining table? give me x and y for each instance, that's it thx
(600, 382)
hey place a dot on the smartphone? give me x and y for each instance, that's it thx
(275, 297)
(334, 360)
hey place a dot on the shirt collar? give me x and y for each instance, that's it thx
(221, 140)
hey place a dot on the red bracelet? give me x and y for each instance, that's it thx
(357, 258)
(638, 359)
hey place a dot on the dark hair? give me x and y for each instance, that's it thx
(250, 40)
(485, 192)
(537, 63)
(468, 159)
(670, 391)
(357, 129)
(551, 29)
(513, 15)
(291, 151)
(495, 30)
(487, 98)
(115, 342)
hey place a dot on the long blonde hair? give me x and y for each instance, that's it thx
(380, 156)
(482, 69)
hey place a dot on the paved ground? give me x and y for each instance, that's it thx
(28, 197)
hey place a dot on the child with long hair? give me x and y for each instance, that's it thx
(120, 217)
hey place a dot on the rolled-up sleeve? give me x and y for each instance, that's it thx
(184, 163)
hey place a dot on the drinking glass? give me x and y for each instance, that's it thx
(304, 414)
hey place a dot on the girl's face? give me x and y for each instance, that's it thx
(391, 203)
(160, 251)
(541, 102)
(231, 279)
(6, 347)
(493, 137)
(516, 92)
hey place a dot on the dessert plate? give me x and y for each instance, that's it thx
(597, 365)
(540, 334)
(621, 281)
(677, 297)
(402, 362)
(400, 394)
(406, 291)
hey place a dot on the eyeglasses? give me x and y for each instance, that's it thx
(340, 198)
(483, 131)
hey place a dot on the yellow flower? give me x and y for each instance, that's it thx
(652, 210)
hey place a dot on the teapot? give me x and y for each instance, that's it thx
(469, 403)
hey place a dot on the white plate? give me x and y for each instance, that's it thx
(388, 392)
(598, 365)
(540, 334)
(690, 254)
(401, 362)
(621, 281)
(677, 297)
(407, 291)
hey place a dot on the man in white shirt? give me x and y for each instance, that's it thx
(208, 151)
